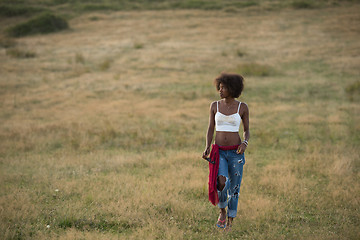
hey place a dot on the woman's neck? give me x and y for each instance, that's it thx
(229, 100)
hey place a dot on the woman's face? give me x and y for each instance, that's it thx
(223, 91)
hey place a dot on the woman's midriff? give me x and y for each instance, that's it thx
(227, 138)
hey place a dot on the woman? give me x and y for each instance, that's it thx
(227, 154)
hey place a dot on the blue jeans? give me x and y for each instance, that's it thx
(230, 166)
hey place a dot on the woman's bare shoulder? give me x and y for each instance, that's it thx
(244, 105)
(244, 108)
(213, 106)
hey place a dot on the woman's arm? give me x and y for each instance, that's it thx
(210, 131)
(246, 134)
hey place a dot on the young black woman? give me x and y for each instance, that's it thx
(227, 153)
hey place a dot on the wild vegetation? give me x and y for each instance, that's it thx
(103, 124)
(44, 23)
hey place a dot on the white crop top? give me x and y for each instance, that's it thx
(227, 123)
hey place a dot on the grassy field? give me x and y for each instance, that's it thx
(102, 125)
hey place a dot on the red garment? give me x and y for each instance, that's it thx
(213, 170)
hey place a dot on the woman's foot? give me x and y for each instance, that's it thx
(229, 224)
(221, 223)
(228, 228)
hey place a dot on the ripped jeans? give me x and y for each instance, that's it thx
(230, 166)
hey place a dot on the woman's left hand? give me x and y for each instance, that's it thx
(241, 148)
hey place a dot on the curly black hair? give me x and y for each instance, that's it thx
(233, 82)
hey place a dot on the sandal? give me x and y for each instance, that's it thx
(222, 223)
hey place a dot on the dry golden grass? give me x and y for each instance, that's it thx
(102, 131)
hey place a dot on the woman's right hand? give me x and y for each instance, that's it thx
(206, 152)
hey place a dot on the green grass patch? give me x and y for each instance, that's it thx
(353, 90)
(240, 53)
(242, 4)
(97, 7)
(303, 4)
(105, 65)
(44, 23)
(198, 4)
(94, 224)
(19, 10)
(94, 18)
(213, 5)
(79, 58)
(256, 69)
(138, 45)
(18, 53)
(114, 5)
(27, 8)
(7, 42)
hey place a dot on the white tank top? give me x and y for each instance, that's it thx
(227, 123)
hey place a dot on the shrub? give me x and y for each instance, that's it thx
(44, 23)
